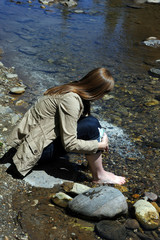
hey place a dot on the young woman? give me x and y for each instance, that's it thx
(60, 122)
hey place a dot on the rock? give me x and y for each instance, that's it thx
(152, 42)
(46, 2)
(146, 214)
(75, 188)
(156, 206)
(152, 102)
(4, 110)
(1, 64)
(155, 71)
(111, 230)
(153, 1)
(99, 203)
(61, 199)
(17, 90)
(132, 224)
(143, 236)
(79, 188)
(150, 196)
(69, 3)
(11, 75)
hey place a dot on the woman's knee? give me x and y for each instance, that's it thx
(88, 128)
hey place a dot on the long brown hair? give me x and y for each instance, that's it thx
(92, 86)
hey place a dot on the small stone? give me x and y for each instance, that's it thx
(11, 75)
(111, 230)
(79, 188)
(132, 224)
(5, 129)
(150, 196)
(1, 64)
(61, 199)
(153, 102)
(146, 214)
(17, 90)
(153, 1)
(155, 71)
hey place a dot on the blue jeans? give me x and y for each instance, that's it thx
(87, 129)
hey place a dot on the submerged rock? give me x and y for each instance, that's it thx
(17, 90)
(146, 214)
(155, 71)
(99, 203)
(111, 230)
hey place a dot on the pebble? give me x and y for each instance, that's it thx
(112, 230)
(146, 214)
(97, 203)
(11, 75)
(61, 199)
(150, 196)
(17, 90)
(155, 71)
(1, 64)
(132, 224)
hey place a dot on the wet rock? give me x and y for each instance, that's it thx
(155, 71)
(99, 203)
(79, 188)
(46, 2)
(132, 224)
(11, 75)
(4, 110)
(156, 206)
(153, 1)
(17, 90)
(75, 188)
(152, 102)
(146, 214)
(1, 64)
(152, 42)
(111, 230)
(69, 3)
(61, 199)
(150, 196)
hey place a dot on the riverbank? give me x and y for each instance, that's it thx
(27, 212)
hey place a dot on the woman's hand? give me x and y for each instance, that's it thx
(103, 145)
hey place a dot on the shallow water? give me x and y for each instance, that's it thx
(55, 45)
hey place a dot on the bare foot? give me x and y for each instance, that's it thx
(110, 178)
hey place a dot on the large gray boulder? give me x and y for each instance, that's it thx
(99, 203)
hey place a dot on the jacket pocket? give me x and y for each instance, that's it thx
(32, 145)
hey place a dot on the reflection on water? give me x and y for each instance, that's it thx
(56, 44)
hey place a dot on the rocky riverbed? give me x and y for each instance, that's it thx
(28, 213)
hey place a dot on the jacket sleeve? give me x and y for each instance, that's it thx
(69, 113)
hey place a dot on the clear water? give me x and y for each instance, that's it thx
(55, 45)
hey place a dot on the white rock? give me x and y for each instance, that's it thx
(11, 75)
(17, 90)
(153, 1)
(61, 199)
(146, 214)
(79, 188)
(1, 64)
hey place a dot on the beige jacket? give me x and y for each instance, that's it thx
(50, 117)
